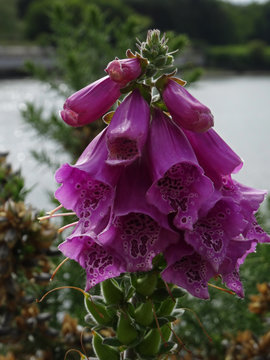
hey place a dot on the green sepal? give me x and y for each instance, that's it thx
(130, 87)
(103, 351)
(143, 314)
(125, 332)
(99, 312)
(162, 81)
(150, 345)
(145, 91)
(112, 292)
(107, 118)
(146, 284)
(159, 261)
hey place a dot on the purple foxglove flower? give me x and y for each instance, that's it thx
(179, 185)
(187, 269)
(249, 200)
(99, 263)
(214, 155)
(91, 102)
(123, 71)
(88, 187)
(137, 232)
(237, 251)
(186, 110)
(127, 132)
(211, 234)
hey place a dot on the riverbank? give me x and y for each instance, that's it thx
(14, 57)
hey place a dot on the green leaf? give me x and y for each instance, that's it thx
(112, 341)
(178, 293)
(166, 347)
(164, 320)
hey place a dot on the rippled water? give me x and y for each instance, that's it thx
(240, 105)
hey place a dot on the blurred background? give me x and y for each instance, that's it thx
(51, 48)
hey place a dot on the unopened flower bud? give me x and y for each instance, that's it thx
(91, 102)
(123, 71)
(186, 110)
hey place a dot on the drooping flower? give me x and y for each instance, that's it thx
(91, 102)
(179, 185)
(137, 231)
(187, 269)
(122, 71)
(128, 130)
(214, 155)
(88, 187)
(99, 263)
(185, 109)
(155, 183)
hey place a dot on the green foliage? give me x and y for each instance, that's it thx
(253, 56)
(9, 23)
(11, 183)
(25, 263)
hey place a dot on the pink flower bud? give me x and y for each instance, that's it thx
(91, 102)
(186, 110)
(123, 71)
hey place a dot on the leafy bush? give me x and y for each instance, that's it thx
(253, 56)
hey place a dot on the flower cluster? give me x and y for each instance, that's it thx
(157, 179)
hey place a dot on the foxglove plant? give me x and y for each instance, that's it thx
(155, 201)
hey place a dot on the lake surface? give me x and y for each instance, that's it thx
(240, 104)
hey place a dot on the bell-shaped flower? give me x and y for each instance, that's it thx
(179, 185)
(128, 129)
(137, 232)
(91, 102)
(185, 109)
(187, 269)
(88, 187)
(122, 71)
(99, 263)
(237, 251)
(212, 233)
(249, 200)
(214, 155)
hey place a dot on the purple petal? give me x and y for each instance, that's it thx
(137, 231)
(91, 102)
(233, 282)
(190, 272)
(138, 238)
(88, 187)
(186, 110)
(212, 233)
(237, 251)
(100, 263)
(179, 185)
(249, 200)
(214, 155)
(127, 132)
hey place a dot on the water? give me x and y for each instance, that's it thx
(240, 105)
